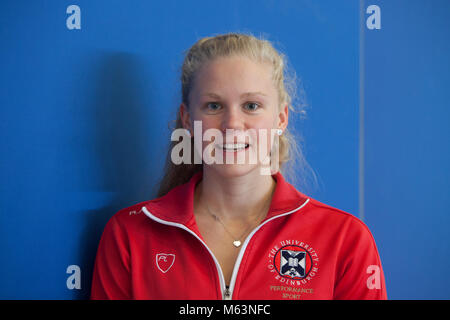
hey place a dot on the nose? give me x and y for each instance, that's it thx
(232, 119)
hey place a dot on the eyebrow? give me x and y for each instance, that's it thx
(246, 94)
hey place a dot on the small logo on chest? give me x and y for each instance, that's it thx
(164, 261)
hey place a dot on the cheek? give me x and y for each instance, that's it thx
(201, 124)
(265, 137)
(263, 128)
(204, 139)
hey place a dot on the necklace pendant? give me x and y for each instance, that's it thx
(237, 243)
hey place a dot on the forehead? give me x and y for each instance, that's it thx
(234, 76)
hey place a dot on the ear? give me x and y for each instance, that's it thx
(185, 117)
(283, 117)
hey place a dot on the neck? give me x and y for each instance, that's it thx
(242, 198)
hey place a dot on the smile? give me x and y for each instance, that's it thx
(233, 146)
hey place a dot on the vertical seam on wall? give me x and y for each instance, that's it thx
(361, 112)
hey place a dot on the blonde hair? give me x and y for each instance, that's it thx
(257, 49)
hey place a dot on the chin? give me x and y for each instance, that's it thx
(233, 170)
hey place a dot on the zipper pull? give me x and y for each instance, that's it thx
(227, 294)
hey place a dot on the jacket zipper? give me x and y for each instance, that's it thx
(227, 293)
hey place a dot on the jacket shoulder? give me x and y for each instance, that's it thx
(333, 216)
(131, 215)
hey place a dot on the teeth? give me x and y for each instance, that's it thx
(234, 146)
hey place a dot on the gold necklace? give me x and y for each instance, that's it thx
(237, 240)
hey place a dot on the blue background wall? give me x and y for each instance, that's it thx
(84, 116)
(407, 167)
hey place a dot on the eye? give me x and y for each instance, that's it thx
(252, 106)
(213, 106)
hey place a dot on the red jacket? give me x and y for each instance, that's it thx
(303, 249)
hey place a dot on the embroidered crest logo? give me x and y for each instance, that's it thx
(293, 262)
(164, 261)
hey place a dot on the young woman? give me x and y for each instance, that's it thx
(230, 230)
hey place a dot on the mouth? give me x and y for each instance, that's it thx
(233, 147)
